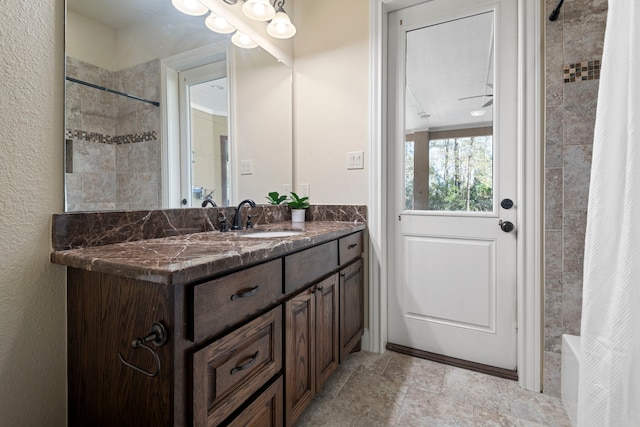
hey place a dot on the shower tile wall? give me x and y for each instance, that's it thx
(114, 154)
(577, 37)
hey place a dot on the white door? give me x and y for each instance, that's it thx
(453, 86)
(204, 135)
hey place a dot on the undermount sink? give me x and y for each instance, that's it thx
(268, 234)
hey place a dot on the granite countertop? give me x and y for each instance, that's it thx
(180, 259)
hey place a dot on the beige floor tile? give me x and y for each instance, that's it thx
(373, 390)
(364, 361)
(421, 408)
(370, 395)
(478, 389)
(334, 384)
(537, 407)
(486, 418)
(368, 422)
(323, 413)
(415, 372)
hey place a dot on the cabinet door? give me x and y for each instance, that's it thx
(351, 307)
(300, 355)
(327, 329)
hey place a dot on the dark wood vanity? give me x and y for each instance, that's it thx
(249, 345)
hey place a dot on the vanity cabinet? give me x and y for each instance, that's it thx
(311, 340)
(248, 347)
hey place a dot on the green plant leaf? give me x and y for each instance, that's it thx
(297, 202)
(276, 198)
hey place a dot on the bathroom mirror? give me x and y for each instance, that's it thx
(130, 142)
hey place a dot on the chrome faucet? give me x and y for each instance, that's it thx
(237, 221)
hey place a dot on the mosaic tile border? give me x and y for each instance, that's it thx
(581, 71)
(109, 139)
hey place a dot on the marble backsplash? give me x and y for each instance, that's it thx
(73, 230)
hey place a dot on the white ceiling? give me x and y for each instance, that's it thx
(446, 62)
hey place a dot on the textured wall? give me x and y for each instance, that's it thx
(573, 41)
(331, 87)
(32, 291)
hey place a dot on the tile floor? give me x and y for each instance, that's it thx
(393, 389)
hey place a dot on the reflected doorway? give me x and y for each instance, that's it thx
(204, 129)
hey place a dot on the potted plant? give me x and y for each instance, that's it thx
(298, 207)
(275, 198)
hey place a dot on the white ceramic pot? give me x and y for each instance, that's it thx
(297, 215)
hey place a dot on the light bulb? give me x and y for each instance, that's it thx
(258, 10)
(190, 7)
(281, 27)
(242, 40)
(218, 24)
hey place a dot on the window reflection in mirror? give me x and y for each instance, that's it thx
(449, 116)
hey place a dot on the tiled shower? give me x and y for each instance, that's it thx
(574, 46)
(112, 145)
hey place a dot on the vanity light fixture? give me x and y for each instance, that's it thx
(258, 10)
(280, 26)
(242, 40)
(218, 24)
(190, 7)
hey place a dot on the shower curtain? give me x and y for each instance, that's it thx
(609, 387)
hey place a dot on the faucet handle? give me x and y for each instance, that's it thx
(222, 220)
(249, 223)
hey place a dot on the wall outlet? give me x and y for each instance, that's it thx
(355, 160)
(246, 167)
(304, 190)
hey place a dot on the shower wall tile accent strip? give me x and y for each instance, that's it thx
(585, 70)
(109, 139)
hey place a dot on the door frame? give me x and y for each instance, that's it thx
(172, 153)
(381, 209)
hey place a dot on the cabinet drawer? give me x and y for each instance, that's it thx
(228, 300)
(228, 371)
(311, 264)
(350, 247)
(265, 411)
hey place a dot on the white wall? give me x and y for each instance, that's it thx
(262, 123)
(90, 41)
(32, 291)
(331, 87)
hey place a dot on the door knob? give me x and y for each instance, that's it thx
(506, 226)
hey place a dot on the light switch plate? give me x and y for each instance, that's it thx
(246, 167)
(355, 160)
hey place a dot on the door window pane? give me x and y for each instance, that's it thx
(448, 147)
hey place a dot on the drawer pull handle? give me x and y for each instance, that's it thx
(246, 365)
(351, 246)
(249, 293)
